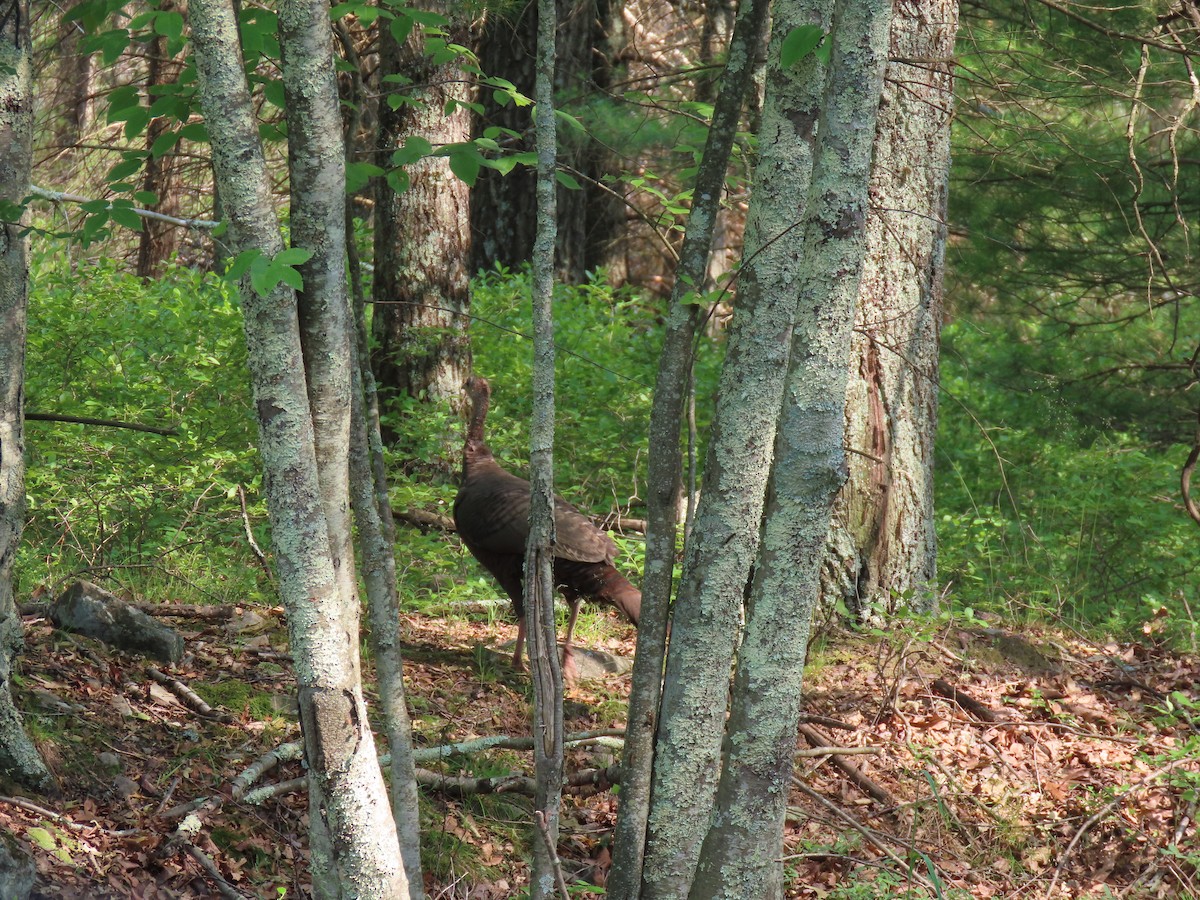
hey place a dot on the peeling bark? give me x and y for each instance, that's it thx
(882, 545)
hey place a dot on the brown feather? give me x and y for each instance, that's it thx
(491, 513)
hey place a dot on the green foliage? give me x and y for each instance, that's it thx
(1040, 509)
(168, 354)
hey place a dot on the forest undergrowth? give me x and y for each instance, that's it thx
(978, 763)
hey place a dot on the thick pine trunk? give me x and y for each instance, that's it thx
(882, 544)
(422, 236)
(19, 759)
(159, 241)
(503, 213)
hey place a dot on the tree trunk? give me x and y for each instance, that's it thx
(353, 843)
(19, 759)
(741, 856)
(545, 671)
(882, 544)
(422, 243)
(159, 241)
(502, 206)
(721, 551)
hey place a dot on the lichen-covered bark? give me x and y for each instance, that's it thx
(882, 543)
(724, 538)
(741, 853)
(544, 668)
(355, 852)
(19, 760)
(422, 236)
(636, 814)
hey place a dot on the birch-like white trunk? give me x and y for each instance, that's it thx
(741, 856)
(19, 759)
(354, 848)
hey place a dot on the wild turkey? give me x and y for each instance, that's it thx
(491, 513)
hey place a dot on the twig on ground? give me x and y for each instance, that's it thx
(866, 832)
(1105, 810)
(865, 784)
(214, 874)
(188, 697)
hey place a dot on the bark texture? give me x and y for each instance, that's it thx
(355, 852)
(544, 668)
(882, 545)
(741, 853)
(670, 393)
(159, 240)
(721, 551)
(422, 236)
(503, 214)
(19, 759)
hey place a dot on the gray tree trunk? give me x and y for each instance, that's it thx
(422, 236)
(741, 856)
(670, 392)
(354, 848)
(882, 544)
(544, 668)
(19, 759)
(724, 541)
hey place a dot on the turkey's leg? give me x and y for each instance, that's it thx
(570, 673)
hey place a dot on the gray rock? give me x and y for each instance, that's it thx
(16, 868)
(90, 610)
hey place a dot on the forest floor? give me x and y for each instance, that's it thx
(1038, 765)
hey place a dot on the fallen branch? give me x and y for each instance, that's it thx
(100, 423)
(188, 697)
(967, 702)
(851, 771)
(210, 868)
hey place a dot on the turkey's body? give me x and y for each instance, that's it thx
(491, 513)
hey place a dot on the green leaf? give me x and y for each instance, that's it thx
(401, 27)
(570, 120)
(164, 142)
(568, 181)
(125, 216)
(241, 264)
(293, 256)
(799, 43)
(42, 838)
(466, 163)
(169, 24)
(273, 91)
(358, 174)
